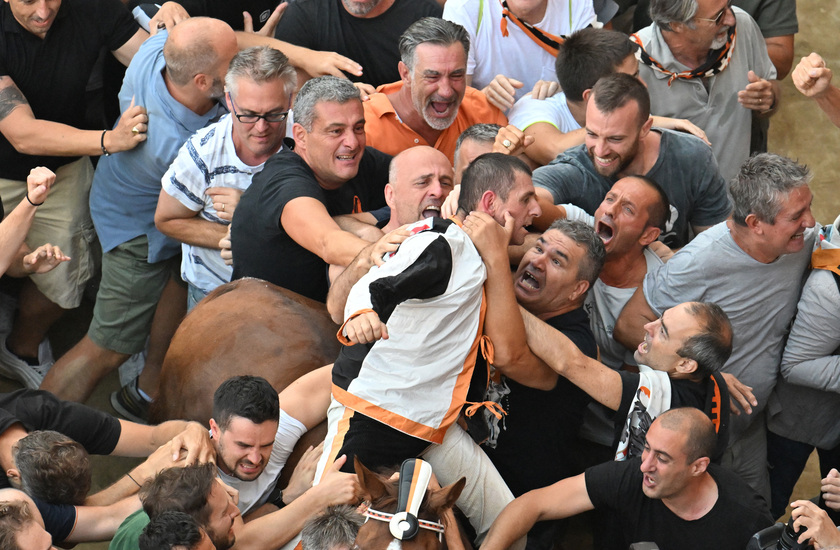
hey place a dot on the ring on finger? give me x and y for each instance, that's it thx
(506, 143)
(135, 131)
(223, 207)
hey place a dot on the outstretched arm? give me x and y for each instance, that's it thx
(813, 78)
(564, 499)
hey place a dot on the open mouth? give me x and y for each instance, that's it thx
(527, 279)
(431, 212)
(604, 230)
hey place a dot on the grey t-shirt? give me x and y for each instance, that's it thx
(760, 300)
(604, 304)
(686, 170)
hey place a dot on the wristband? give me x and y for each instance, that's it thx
(102, 144)
(33, 203)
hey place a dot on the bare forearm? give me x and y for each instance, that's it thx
(550, 142)
(13, 231)
(337, 297)
(276, 529)
(43, 137)
(193, 231)
(829, 102)
(141, 441)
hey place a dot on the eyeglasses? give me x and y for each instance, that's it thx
(252, 118)
(718, 19)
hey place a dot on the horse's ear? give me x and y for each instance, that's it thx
(371, 484)
(444, 498)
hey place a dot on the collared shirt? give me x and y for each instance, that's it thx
(726, 122)
(126, 186)
(386, 132)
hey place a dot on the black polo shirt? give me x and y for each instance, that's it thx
(52, 72)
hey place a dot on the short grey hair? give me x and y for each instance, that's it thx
(763, 184)
(323, 88)
(484, 132)
(665, 12)
(431, 30)
(583, 235)
(335, 528)
(261, 64)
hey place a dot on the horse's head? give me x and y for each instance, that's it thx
(382, 494)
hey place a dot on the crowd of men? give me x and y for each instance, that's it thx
(563, 264)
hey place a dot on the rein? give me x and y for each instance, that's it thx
(424, 524)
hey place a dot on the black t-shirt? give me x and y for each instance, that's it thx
(372, 42)
(96, 431)
(551, 418)
(59, 519)
(52, 73)
(231, 12)
(261, 246)
(616, 488)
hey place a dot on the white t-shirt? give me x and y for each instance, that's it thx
(516, 55)
(553, 110)
(253, 494)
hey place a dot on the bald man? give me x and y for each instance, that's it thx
(178, 76)
(672, 495)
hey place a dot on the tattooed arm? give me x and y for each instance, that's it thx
(33, 136)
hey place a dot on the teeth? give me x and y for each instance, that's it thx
(345, 157)
(603, 160)
(530, 280)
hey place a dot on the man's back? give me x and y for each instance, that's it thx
(617, 488)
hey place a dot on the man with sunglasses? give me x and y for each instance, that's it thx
(706, 61)
(201, 189)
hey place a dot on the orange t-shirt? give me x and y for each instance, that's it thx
(387, 133)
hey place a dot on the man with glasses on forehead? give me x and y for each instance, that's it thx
(707, 61)
(201, 189)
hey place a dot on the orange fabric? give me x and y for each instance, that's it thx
(388, 134)
(343, 339)
(828, 259)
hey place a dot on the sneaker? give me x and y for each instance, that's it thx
(12, 366)
(130, 404)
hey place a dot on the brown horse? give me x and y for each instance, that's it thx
(435, 512)
(251, 327)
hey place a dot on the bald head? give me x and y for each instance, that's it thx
(199, 46)
(701, 437)
(420, 179)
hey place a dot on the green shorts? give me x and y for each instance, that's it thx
(128, 295)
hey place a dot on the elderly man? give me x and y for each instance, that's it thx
(620, 142)
(514, 44)
(366, 31)
(671, 496)
(202, 187)
(769, 239)
(431, 104)
(49, 49)
(696, 68)
(180, 90)
(283, 231)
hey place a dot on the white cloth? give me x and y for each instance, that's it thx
(516, 55)
(253, 494)
(554, 110)
(207, 159)
(652, 398)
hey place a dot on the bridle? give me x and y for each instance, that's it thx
(435, 526)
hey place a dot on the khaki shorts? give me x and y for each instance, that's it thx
(63, 220)
(128, 295)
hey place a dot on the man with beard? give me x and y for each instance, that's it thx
(366, 31)
(671, 496)
(284, 232)
(431, 104)
(620, 142)
(696, 68)
(178, 77)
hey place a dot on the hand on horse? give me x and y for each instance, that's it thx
(365, 328)
(304, 473)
